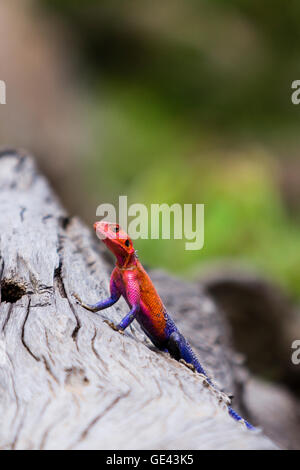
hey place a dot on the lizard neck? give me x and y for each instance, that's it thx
(128, 261)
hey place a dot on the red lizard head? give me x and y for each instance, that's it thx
(116, 240)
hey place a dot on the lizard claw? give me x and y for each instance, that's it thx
(79, 301)
(186, 364)
(114, 327)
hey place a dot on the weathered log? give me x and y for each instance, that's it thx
(67, 380)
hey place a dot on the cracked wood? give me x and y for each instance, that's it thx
(67, 380)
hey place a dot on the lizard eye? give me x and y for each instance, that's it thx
(127, 243)
(116, 229)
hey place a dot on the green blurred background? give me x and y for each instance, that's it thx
(173, 102)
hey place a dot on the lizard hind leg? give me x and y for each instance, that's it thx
(179, 348)
(173, 345)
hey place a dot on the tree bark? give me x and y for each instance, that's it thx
(67, 380)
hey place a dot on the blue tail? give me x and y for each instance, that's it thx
(232, 413)
(180, 348)
(239, 418)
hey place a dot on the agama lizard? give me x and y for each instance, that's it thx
(130, 280)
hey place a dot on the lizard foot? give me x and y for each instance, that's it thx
(79, 301)
(114, 327)
(186, 364)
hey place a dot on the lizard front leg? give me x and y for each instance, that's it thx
(103, 304)
(133, 298)
(127, 320)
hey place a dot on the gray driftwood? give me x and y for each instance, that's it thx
(67, 380)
